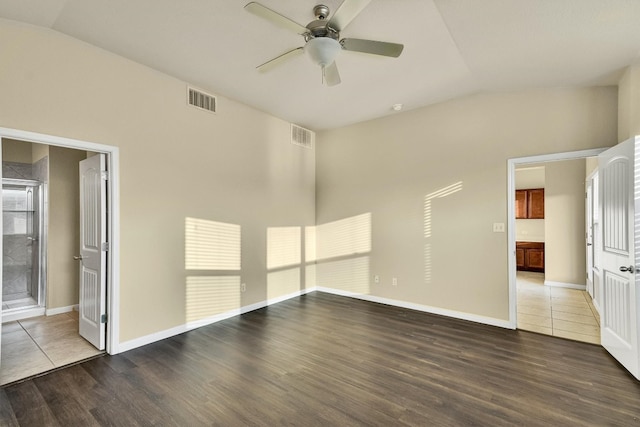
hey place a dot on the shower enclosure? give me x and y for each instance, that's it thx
(23, 266)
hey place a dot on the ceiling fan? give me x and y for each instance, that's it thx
(322, 37)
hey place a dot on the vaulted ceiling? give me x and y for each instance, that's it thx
(452, 48)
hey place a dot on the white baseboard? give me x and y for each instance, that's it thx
(60, 310)
(168, 333)
(565, 285)
(424, 308)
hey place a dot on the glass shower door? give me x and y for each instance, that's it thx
(21, 247)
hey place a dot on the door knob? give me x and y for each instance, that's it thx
(631, 269)
(78, 258)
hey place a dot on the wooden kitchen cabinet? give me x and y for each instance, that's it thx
(519, 258)
(521, 204)
(530, 256)
(530, 204)
(535, 203)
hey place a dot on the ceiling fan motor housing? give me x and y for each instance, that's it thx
(319, 28)
(321, 12)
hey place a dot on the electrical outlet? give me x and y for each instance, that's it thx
(394, 281)
(243, 287)
(498, 227)
(376, 279)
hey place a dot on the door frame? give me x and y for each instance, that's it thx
(590, 216)
(112, 155)
(512, 164)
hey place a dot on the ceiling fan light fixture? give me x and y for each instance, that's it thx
(322, 50)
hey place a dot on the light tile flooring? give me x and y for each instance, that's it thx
(36, 345)
(561, 312)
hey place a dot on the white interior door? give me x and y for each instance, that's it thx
(93, 248)
(619, 313)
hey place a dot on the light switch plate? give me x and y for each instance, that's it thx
(498, 227)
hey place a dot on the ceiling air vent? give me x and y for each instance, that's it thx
(201, 100)
(301, 136)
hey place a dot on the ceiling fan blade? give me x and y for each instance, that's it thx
(331, 75)
(267, 66)
(348, 10)
(275, 18)
(371, 46)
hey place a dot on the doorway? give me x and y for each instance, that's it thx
(551, 304)
(61, 319)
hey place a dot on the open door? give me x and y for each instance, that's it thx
(619, 300)
(93, 247)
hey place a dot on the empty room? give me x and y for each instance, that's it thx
(302, 213)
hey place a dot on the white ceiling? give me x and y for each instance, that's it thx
(452, 48)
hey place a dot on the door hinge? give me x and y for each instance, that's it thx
(105, 246)
(103, 318)
(105, 175)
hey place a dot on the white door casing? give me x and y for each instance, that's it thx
(619, 299)
(596, 236)
(589, 233)
(93, 255)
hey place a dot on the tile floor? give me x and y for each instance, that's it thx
(36, 345)
(561, 312)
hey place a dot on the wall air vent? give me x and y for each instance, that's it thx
(201, 100)
(302, 137)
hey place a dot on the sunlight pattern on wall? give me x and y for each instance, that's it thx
(283, 246)
(340, 246)
(428, 205)
(443, 192)
(427, 262)
(310, 243)
(212, 255)
(207, 296)
(211, 245)
(284, 249)
(350, 275)
(283, 282)
(310, 274)
(349, 236)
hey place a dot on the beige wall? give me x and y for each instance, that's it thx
(237, 166)
(39, 151)
(386, 167)
(629, 104)
(565, 222)
(16, 151)
(64, 233)
(529, 177)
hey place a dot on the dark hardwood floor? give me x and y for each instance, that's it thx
(327, 360)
